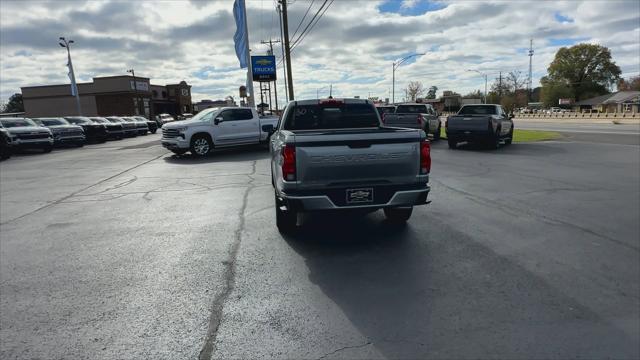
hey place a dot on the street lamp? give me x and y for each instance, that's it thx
(485, 83)
(396, 64)
(74, 87)
(135, 90)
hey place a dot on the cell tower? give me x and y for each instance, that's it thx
(530, 82)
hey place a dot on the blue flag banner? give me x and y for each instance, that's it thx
(240, 37)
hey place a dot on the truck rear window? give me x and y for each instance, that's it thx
(411, 109)
(342, 116)
(477, 110)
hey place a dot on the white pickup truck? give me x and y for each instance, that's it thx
(215, 128)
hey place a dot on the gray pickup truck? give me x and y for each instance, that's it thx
(334, 154)
(486, 124)
(415, 116)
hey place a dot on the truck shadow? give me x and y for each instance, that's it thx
(442, 294)
(247, 153)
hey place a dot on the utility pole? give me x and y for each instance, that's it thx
(135, 91)
(530, 82)
(275, 86)
(72, 76)
(284, 67)
(287, 47)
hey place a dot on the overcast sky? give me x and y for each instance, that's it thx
(352, 46)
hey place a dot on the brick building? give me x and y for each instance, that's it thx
(109, 95)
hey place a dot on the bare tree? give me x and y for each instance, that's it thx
(515, 81)
(414, 90)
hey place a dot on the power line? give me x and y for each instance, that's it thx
(304, 34)
(304, 17)
(293, 43)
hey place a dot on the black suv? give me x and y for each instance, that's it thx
(26, 134)
(153, 126)
(6, 147)
(115, 130)
(63, 132)
(93, 131)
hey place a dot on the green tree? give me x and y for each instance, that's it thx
(551, 92)
(431, 94)
(14, 105)
(587, 69)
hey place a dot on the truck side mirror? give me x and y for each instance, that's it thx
(218, 120)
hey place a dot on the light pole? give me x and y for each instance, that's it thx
(135, 91)
(74, 87)
(485, 83)
(396, 64)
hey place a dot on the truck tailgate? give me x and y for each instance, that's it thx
(403, 120)
(362, 157)
(468, 123)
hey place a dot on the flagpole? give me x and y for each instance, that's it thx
(249, 71)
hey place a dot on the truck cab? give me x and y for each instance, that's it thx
(217, 128)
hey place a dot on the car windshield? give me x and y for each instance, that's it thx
(114, 119)
(79, 120)
(52, 121)
(411, 109)
(99, 120)
(385, 109)
(9, 123)
(478, 110)
(202, 114)
(332, 116)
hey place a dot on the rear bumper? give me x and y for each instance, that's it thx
(407, 196)
(469, 135)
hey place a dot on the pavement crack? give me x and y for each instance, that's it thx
(345, 348)
(217, 307)
(62, 199)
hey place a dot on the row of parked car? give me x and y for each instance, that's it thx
(48, 132)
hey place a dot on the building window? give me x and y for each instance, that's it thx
(164, 94)
(155, 93)
(185, 92)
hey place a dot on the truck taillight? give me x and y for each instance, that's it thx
(289, 162)
(382, 117)
(420, 119)
(425, 157)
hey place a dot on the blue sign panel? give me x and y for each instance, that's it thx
(263, 67)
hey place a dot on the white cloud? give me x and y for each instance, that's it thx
(351, 47)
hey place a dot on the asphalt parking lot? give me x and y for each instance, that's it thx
(122, 250)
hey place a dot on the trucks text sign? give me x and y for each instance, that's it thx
(263, 67)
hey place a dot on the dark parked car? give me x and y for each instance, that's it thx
(115, 131)
(485, 124)
(153, 126)
(26, 134)
(63, 132)
(142, 126)
(129, 128)
(6, 146)
(93, 131)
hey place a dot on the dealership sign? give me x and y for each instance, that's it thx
(139, 85)
(565, 101)
(263, 67)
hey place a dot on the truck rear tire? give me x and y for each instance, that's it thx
(398, 215)
(436, 136)
(286, 220)
(452, 143)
